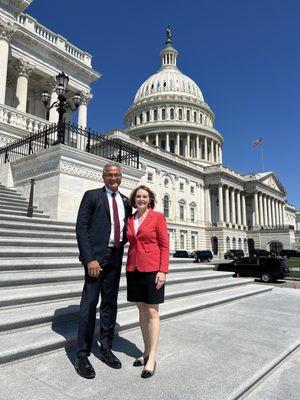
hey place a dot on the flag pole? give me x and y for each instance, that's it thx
(262, 156)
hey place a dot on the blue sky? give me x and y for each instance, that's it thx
(244, 55)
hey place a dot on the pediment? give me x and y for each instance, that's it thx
(272, 182)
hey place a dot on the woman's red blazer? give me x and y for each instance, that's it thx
(149, 248)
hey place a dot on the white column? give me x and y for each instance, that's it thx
(282, 213)
(212, 151)
(227, 213)
(82, 111)
(276, 212)
(269, 212)
(273, 212)
(265, 211)
(156, 140)
(178, 144)
(53, 114)
(244, 217)
(6, 32)
(202, 203)
(147, 138)
(188, 145)
(238, 202)
(256, 213)
(167, 141)
(197, 148)
(24, 69)
(205, 149)
(220, 154)
(261, 213)
(207, 205)
(233, 214)
(217, 153)
(220, 199)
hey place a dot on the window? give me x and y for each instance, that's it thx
(172, 113)
(163, 144)
(148, 116)
(181, 186)
(193, 242)
(172, 146)
(192, 211)
(163, 113)
(181, 212)
(201, 118)
(150, 176)
(141, 118)
(166, 206)
(155, 115)
(188, 115)
(180, 114)
(192, 189)
(195, 116)
(182, 240)
(135, 120)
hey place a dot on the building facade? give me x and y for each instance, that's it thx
(207, 205)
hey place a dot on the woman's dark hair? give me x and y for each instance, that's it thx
(151, 196)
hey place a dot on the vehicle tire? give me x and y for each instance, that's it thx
(266, 278)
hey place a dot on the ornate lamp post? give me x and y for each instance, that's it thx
(61, 104)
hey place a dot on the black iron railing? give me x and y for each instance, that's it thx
(73, 136)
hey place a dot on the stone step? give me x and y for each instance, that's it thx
(10, 192)
(36, 220)
(17, 207)
(20, 317)
(29, 342)
(12, 201)
(30, 252)
(22, 264)
(28, 225)
(19, 234)
(4, 189)
(22, 213)
(36, 277)
(41, 242)
(12, 197)
(29, 292)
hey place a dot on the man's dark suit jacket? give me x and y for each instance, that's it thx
(93, 225)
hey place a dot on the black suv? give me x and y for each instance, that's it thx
(268, 269)
(233, 254)
(289, 253)
(203, 255)
(181, 254)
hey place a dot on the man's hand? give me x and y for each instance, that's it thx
(160, 279)
(94, 269)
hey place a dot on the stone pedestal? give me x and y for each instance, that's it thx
(62, 175)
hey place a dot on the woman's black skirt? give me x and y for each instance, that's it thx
(141, 287)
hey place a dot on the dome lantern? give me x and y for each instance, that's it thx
(168, 55)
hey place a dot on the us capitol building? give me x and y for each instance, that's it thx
(207, 205)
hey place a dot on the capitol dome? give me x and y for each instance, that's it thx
(169, 111)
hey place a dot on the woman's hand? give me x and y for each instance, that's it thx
(160, 279)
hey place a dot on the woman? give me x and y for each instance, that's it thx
(147, 265)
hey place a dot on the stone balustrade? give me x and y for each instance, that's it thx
(30, 24)
(21, 120)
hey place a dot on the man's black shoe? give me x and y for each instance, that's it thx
(84, 368)
(107, 356)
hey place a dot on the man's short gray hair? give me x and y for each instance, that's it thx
(111, 164)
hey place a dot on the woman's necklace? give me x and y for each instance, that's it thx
(142, 217)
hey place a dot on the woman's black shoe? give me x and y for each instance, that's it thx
(139, 362)
(146, 373)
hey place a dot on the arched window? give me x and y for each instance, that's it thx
(163, 144)
(180, 114)
(148, 116)
(201, 118)
(195, 116)
(172, 113)
(163, 113)
(141, 118)
(166, 206)
(155, 115)
(135, 120)
(188, 115)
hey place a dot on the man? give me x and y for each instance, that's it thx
(101, 235)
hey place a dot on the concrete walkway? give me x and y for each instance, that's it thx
(215, 354)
